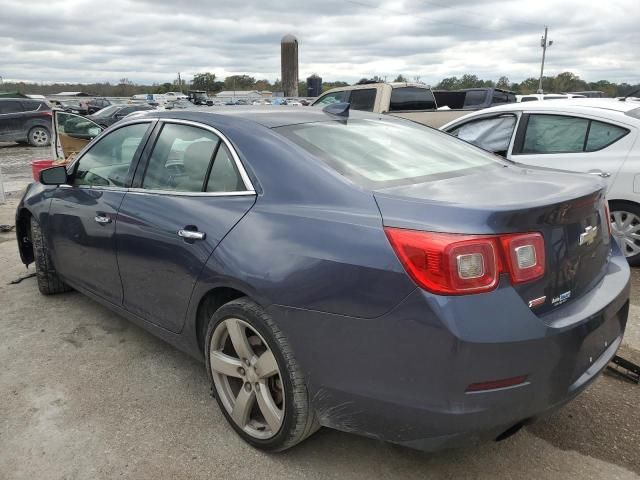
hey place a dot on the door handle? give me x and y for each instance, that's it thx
(191, 235)
(102, 220)
(600, 173)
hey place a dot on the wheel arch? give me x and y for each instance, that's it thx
(209, 303)
(23, 235)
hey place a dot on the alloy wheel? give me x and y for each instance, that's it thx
(247, 378)
(625, 227)
(39, 137)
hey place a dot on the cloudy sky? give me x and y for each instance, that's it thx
(150, 40)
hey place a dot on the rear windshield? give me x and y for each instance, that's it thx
(381, 153)
(411, 98)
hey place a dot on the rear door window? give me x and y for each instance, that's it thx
(601, 135)
(364, 99)
(181, 159)
(411, 98)
(555, 134)
(224, 176)
(11, 106)
(565, 134)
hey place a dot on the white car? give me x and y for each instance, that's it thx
(591, 135)
(532, 97)
(174, 96)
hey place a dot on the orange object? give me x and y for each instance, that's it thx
(37, 166)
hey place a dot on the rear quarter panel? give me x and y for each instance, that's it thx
(312, 240)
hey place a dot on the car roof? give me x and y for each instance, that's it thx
(265, 115)
(570, 104)
(603, 107)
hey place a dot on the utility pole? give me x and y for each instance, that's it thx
(544, 43)
(179, 83)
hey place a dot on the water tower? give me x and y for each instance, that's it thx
(289, 65)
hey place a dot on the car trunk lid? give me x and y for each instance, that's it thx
(567, 209)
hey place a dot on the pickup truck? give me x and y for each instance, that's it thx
(414, 101)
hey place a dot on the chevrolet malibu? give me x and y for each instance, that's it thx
(351, 271)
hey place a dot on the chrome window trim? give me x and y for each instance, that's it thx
(173, 193)
(249, 189)
(144, 191)
(96, 187)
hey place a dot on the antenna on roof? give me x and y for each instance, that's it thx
(341, 109)
(624, 99)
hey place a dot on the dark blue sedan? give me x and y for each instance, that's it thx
(351, 271)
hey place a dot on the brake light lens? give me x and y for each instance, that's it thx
(456, 264)
(525, 254)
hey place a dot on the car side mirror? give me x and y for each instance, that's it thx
(54, 176)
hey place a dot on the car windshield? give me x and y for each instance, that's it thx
(107, 111)
(380, 153)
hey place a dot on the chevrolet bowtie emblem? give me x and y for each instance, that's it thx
(589, 235)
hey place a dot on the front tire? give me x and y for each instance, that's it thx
(255, 379)
(48, 280)
(39, 137)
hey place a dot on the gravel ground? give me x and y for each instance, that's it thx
(86, 395)
(15, 164)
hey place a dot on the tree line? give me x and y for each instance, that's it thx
(208, 81)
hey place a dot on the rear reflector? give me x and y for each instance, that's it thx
(454, 264)
(496, 384)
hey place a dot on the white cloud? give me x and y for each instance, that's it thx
(150, 41)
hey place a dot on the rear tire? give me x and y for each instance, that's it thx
(39, 137)
(625, 228)
(282, 394)
(48, 280)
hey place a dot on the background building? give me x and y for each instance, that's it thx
(289, 65)
(314, 86)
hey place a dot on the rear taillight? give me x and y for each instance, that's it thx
(525, 256)
(454, 264)
(47, 113)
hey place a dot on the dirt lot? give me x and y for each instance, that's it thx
(86, 395)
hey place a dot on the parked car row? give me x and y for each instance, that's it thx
(348, 269)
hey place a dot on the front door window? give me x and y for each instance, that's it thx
(107, 163)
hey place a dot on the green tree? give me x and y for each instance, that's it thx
(530, 85)
(567, 82)
(204, 81)
(470, 81)
(239, 82)
(449, 83)
(401, 78)
(609, 89)
(263, 85)
(329, 85)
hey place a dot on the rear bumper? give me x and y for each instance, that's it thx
(403, 377)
